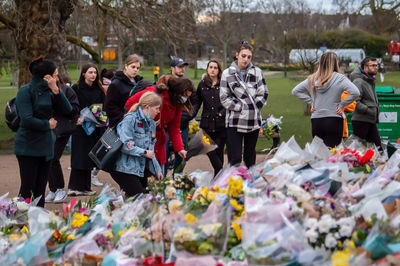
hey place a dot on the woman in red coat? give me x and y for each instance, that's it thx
(175, 93)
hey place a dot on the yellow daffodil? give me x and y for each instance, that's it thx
(25, 230)
(236, 205)
(71, 237)
(237, 229)
(190, 218)
(79, 219)
(235, 187)
(206, 140)
(211, 195)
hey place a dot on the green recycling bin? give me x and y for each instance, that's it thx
(389, 104)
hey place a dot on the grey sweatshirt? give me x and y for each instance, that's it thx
(328, 97)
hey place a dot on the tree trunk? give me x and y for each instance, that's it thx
(40, 31)
(225, 54)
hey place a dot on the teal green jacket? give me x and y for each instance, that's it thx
(36, 104)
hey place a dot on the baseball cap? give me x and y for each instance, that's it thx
(178, 62)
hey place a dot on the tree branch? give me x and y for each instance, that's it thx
(9, 23)
(84, 45)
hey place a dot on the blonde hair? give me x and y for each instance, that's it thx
(134, 58)
(328, 64)
(147, 99)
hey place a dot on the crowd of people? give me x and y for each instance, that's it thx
(152, 119)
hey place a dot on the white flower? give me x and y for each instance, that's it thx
(210, 229)
(346, 221)
(184, 234)
(345, 231)
(325, 225)
(312, 235)
(22, 206)
(337, 235)
(311, 223)
(170, 192)
(330, 241)
(174, 205)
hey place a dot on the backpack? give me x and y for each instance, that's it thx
(140, 85)
(12, 118)
(11, 114)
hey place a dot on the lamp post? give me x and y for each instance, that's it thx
(285, 32)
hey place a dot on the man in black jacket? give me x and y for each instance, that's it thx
(366, 115)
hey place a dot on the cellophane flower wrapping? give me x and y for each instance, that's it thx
(201, 143)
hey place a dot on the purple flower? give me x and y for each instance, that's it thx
(3, 204)
(100, 239)
(158, 197)
(13, 209)
(149, 197)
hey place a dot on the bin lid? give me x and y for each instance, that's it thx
(384, 89)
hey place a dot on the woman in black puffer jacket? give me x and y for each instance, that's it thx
(119, 89)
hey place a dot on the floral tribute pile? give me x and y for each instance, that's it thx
(310, 206)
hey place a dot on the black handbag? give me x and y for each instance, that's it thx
(106, 150)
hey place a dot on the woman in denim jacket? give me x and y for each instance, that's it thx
(137, 132)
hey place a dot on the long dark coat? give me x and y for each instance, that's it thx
(82, 143)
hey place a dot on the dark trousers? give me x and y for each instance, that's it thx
(367, 131)
(217, 156)
(131, 184)
(80, 180)
(329, 129)
(234, 143)
(34, 173)
(56, 177)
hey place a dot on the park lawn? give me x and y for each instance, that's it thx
(280, 103)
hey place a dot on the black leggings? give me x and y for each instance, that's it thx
(329, 129)
(217, 156)
(34, 173)
(235, 141)
(56, 177)
(367, 131)
(131, 184)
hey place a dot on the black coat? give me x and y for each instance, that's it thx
(82, 143)
(64, 120)
(117, 95)
(213, 115)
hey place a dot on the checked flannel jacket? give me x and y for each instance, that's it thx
(243, 100)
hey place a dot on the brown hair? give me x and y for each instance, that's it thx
(96, 81)
(243, 46)
(134, 58)
(177, 88)
(328, 63)
(148, 98)
(207, 78)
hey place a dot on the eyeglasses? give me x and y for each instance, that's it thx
(374, 65)
(245, 42)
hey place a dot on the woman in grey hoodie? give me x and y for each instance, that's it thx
(323, 90)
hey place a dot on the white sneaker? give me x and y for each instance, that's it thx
(88, 193)
(50, 197)
(96, 182)
(74, 192)
(60, 195)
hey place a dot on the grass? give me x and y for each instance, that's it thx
(280, 103)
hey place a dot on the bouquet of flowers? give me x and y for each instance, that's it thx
(271, 126)
(203, 239)
(356, 161)
(99, 114)
(92, 117)
(329, 233)
(194, 127)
